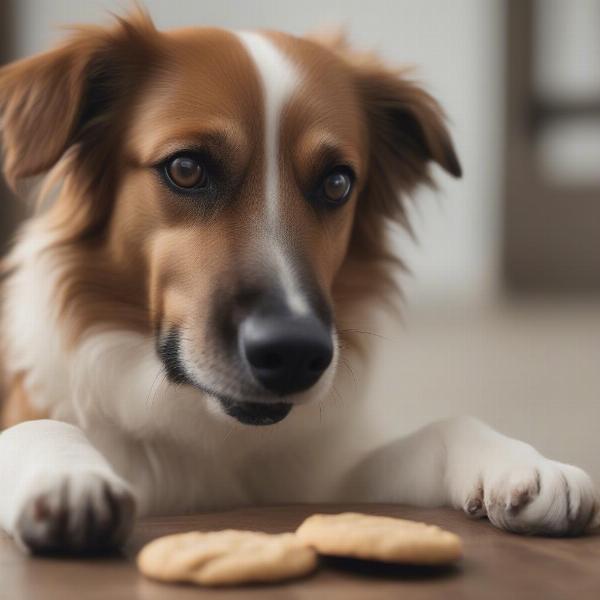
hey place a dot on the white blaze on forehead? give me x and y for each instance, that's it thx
(279, 78)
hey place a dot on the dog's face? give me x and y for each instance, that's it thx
(243, 176)
(250, 150)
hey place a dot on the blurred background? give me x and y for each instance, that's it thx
(502, 312)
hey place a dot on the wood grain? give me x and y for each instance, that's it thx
(496, 565)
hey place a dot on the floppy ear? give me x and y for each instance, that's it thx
(406, 123)
(407, 132)
(52, 101)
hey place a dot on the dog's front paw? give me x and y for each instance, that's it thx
(543, 498)
(75, 513)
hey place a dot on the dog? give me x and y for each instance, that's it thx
(178, 314)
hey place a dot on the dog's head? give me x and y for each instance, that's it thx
(226, 191)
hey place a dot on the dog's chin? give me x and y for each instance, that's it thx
(255, 413)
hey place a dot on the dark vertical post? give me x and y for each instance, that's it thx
(519, 161)
(10, 210)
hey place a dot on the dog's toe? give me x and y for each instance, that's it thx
(474, 506)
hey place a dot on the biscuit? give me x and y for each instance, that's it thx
(380, 538)
(227, 557)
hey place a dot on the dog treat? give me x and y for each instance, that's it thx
(385, 539)
(227, 557)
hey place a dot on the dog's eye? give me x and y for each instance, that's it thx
(337, 186)
(186, 172)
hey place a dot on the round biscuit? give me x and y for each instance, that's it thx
(226, 557)
(384, 539)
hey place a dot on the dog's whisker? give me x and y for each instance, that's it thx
(372, 333)
(346, 363)
(160, 378)
(337, 395)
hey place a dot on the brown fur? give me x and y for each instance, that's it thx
(99, 111)
(17, 406)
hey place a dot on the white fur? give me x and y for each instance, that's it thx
(280, 79)
(42, 459)
(463, 463)
(29, 320)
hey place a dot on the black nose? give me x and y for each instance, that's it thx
(285, 353)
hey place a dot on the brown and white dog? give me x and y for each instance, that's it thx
(214, 226)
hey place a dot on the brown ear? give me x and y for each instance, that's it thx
(50, 101)
(407, 132)
(406, 124)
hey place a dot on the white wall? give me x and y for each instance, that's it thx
(457, 48)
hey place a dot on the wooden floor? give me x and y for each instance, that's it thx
(496, 565)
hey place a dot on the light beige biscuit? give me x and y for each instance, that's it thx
(380, 538)
(226, 557)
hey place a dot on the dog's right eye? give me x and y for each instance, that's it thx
(186, 172)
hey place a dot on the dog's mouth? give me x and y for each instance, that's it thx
(255, 413)
(246, 412)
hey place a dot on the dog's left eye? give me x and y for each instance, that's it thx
(337, 186)
(186, 172)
